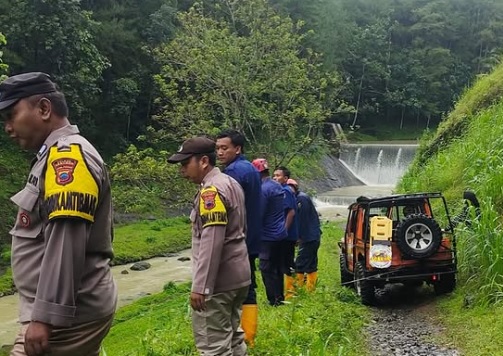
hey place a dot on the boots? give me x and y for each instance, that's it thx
(300, 280)
(249, 318)
(289, 287)
(311, 281)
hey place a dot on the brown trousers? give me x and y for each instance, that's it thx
(78, 340)
(216, 329)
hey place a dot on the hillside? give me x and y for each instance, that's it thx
(466, 152)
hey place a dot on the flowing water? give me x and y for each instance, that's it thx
(131, 286)
(378, 165)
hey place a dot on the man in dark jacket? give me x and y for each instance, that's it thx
(306, 264)
(281, 175)
(273, 234)
(230, 152)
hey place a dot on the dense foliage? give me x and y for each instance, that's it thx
(402, 63)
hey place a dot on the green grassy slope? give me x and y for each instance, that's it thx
(327, 322)
(467, 153)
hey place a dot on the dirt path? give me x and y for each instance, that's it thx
(405, 324)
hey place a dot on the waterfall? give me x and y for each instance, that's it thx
(397, 159)
(357, 157)
(378, 163)
(379, 166)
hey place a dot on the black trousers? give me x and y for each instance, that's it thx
(288, 257)
(251, 298)
(307, 259)
(271, 269)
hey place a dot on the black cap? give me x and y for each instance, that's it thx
(191, 147)
(24, 85)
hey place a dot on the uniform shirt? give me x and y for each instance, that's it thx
(249, 178)
(273, 220)
(290, 202)
(62, 238)
(219, 255)
(309, 220)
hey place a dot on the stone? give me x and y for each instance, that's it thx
(141, 266)
(183, 259)
(124, 271)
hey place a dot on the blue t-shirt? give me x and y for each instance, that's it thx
(273, 221)
(249, 178)
(309, 220)
(290, 202)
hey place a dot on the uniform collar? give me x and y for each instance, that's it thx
(237, 158)
(210, 175)
(55, 136)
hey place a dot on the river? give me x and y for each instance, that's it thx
(131, 286)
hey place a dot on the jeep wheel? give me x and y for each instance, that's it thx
(365, 288)
(445, 284)
(418, 236)
(346, 277)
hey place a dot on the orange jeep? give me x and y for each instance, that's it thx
(398, 239)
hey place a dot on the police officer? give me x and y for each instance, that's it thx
(230, 149)
(62, 238)
(220, 266)
(306, 263)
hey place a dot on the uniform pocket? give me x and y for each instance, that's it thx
(28, 220)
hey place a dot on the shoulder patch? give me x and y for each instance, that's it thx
(211, 207)
(70, 188)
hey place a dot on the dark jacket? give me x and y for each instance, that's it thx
(249, 178)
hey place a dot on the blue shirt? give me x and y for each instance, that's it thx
(290, 202)
(273, 221)
(249, 178)
(309, 220)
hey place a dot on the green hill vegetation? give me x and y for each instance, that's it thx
(467, 153)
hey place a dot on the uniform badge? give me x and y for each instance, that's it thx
(64, 168)
(24, 220)
(208, 198)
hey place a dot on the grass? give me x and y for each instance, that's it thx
(146, 239)
(474, 330)
(328, 322)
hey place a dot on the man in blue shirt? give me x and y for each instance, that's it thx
(281, 175)
(309, 238)
(273, 234)
(230, 149)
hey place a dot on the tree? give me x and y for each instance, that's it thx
(243, 71)
(54, 36)
(3, 66)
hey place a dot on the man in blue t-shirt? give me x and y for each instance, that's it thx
(273, 234)
(230, 149)
(306, 264)
(281, 175)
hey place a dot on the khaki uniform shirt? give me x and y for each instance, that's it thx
(62, 238)
(219, 255)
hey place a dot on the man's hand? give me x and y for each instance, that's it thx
(36, 339)
(197, 301)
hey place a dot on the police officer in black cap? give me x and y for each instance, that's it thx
(220, 267)
(62, 237)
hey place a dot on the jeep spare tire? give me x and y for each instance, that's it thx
(418, 236)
